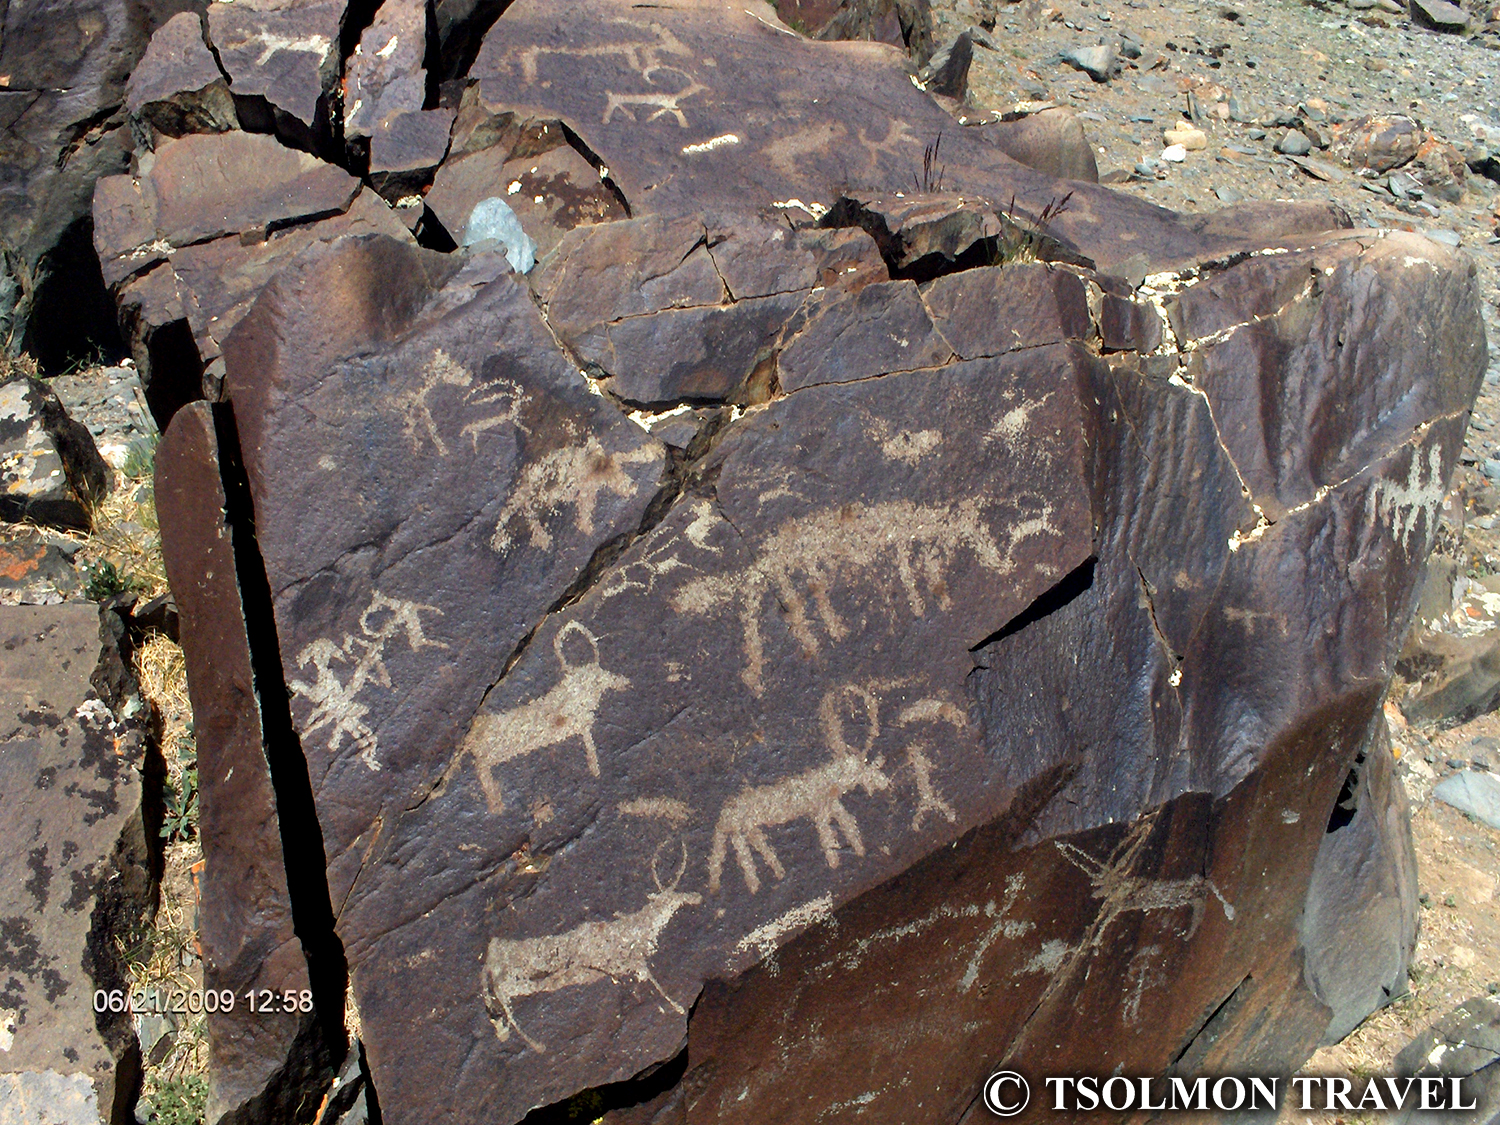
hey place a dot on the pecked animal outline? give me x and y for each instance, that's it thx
(666, 103)
(570, 474)
(334, 702)
(618, 950)
(643, 58)
(1120, 891)
(566, 711)
(443, 370)
(928, 798)
(816, 794)
(818, 546)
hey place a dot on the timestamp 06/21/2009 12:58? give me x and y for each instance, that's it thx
(194, 1001)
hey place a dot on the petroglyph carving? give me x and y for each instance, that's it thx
(656, 808)
(929, 711)
(665, 102)
(642, 574)
(271, 43)
(643, 58)
(335, 702)
(1011, 928)
(816, 795)
(906, 446)
(825, 546)
(443, 370)
(618, 950)
(573, 474)
(1122, 892)
(1405, 504)
(568, 711)
(1140, 975)
(765, 939)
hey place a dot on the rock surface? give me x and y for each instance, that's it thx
(75, 872)
(856, 579)
(50, 471)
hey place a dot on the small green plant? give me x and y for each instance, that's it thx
(176, 1101)
(104, 580)
(140, 458)
(181, 797)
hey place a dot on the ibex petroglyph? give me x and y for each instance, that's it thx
(822, 547)
(619, 950)
(569, 710)
(817, 795)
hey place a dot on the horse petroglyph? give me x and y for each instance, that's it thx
(816, 795)
(574, 474)
(442, 370)
(568, 711)
(617, 950)
(334, 701)
(824, 546)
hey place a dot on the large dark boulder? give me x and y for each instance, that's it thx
(833, 626)
(76, 871)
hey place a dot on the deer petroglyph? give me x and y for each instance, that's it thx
(821, 548)
(568, 711)
(816, 795)
(334, 701)
(1123, 892)
(618, 950)
(574, 474)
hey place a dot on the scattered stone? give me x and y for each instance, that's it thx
(948, 72)
(1099, 63)
(50, 471)
(1440, 15)
(1382, 143)
(1175, 153)
(493, 221)
(1472, 791)
(75, 868)
(34, 570)
(1294, 142)
(1465, 1044)
(1186, 136)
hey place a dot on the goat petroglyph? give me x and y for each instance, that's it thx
(575, 475)
(824, 547)
(335, 702)
(568, 711)
(664, 102)
(618, 950)
(816, 795)
(443, 370)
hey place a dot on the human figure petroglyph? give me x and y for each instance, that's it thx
(816, 795)
(820, 548)
(573, 474)
(1003, 924)
(929, 711)
(618, 950)
(665, 102)
(335, 703)
(568, 711)
(443, 370)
